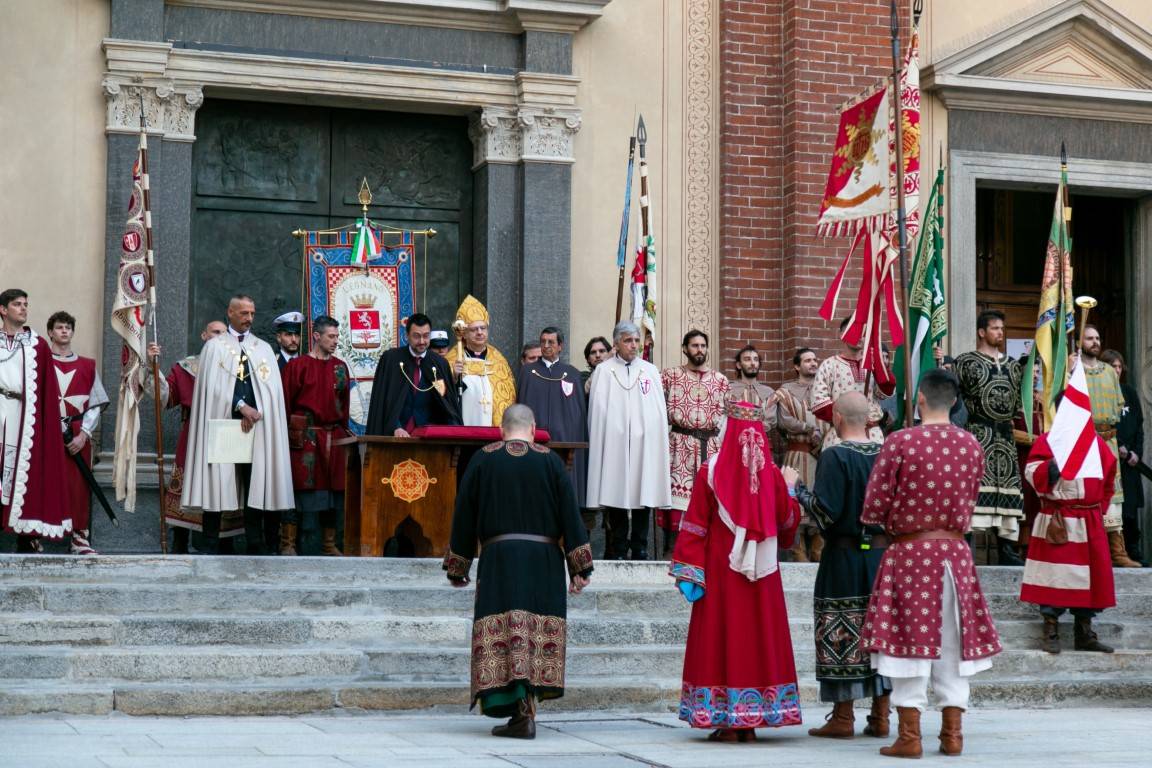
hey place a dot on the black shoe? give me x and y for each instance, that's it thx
(639, 553)
(210, 543)
(1006, 554)
(180, 541)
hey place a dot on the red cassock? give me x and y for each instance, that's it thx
(739, 671)
(316, 395)
(78, 375)
(1078, 573)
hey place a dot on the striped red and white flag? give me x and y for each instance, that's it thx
(1073, 435)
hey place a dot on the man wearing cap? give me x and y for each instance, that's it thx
(438, 343)
(483, 376)
(287, 337)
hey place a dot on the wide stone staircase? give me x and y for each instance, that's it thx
(239, 635)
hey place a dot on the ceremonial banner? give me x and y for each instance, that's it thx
(370, 303)
(133, 289)
(857, 193)
(1073, 435)
(1051, 341)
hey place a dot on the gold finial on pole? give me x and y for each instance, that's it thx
(1085, 303)
(365, 197)
(458, 328)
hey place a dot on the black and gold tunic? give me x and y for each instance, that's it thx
(516, 502)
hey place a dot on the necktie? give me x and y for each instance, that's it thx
(416, 372)
(411, 425)
(240, 338)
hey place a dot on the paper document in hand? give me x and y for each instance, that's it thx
(1073, 435)
(228, 444)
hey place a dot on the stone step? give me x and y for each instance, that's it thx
(22, 697)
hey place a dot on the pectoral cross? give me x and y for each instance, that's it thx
(241, 368)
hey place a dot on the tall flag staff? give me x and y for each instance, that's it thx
(644, 272)
(133, 311)
(622, 244)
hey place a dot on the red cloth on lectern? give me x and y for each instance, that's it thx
(487, 434)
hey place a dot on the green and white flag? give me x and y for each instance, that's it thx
(927, 306)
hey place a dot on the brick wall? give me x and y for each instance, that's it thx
(787, 67)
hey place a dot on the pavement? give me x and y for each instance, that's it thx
(1022, 738)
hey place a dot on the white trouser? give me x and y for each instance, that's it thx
(949, 674)
(1114, 518)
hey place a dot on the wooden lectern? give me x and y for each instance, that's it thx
(391, 479)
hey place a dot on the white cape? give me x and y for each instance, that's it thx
(214, 487)
(628, 466)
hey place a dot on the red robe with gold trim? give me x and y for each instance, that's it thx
(316, 396)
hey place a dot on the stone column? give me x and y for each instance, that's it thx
(169, 112)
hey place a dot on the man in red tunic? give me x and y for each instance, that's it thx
(1069, 566)
(176, 392)
(927, 617)
(739, 672)
(31, 449)
(316, 395)
(82, 398)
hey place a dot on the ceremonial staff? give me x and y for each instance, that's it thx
(1066, 212)
(622, 245)
(645, 246)
(901, 213)
(151, 321)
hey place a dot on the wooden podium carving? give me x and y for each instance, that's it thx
(392, 479)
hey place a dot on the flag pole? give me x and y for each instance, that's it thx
(622, 245)
(645, 227)
(901, 213)
(159, 407)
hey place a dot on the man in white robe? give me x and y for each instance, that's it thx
(628, 462)
(239, 379)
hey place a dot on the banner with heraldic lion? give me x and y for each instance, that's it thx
(371, 303)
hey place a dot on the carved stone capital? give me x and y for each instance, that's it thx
(495, 135)
(169, 109)
(547, 133)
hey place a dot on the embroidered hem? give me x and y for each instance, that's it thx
(457, 566)
(718, 706)
(839, 653)
(580, 559)
(518, 646)
(685, 572)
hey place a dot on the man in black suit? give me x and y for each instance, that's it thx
(411, 387)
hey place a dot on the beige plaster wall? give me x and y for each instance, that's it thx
(633, 60)
(53, 159)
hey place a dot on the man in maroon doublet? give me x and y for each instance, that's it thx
(82, 398)
(31, 450)
(316, 396)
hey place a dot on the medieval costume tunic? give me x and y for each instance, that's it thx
(231, 365)
(316, 396)
(695, 402)
(628, 465)
(753, 391)
(82, 398)
(1076, 574)
(487, 386)
(409, 391)
(555, 393)
(739, 670)
(847, 571)
(837, 375)
(1107, 408)
(32, 459)
(927, 615)
(990, 388)
(803, 435)
(517, 502)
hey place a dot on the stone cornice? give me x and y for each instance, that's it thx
(997, 95)
(483, 15)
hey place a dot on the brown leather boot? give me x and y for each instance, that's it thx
(1050, 642)
(1085, 638)
(907, 743)
(839, 724)
(799, 549)
(522, 725)
(951, 739)
(1120, 557)
(329, 547)
(288, 539)
(878, 718)
(817, 547)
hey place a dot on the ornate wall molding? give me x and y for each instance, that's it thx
(700, 170)
(534, 134)
(168, 109)
(495, 134)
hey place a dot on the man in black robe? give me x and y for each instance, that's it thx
(412, 388)
(848, 568)
(517, 502)
(555, 393)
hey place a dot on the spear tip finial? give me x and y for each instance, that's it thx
(1063, 154)
(641, 132)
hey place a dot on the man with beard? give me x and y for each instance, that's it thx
(803, 434)
(842, 373)
(1107, 408)
(990, 388)
(596, 351)
(695, 396)
(747, 386)
(412, 388)
(287, 337)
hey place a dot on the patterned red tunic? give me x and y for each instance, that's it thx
(925, 479)
(695, 401)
